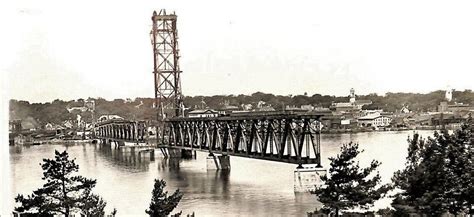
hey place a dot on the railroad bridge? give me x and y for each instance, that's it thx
(274, 136)
(119, 131)
(290, 138)
(284, 137)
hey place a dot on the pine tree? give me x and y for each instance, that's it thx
(438, 176)
(348, 186)
(161, 204)
(62, 193)
(92, 205)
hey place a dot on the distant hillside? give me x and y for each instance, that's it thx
(142, 108)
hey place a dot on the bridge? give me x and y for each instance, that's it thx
(290, 138)
(284, 137)
(274, 136)
(117, 130)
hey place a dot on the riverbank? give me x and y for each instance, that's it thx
(48, 141)
(387, 129)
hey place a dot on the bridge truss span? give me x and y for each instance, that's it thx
(283, 138)
(121, 130)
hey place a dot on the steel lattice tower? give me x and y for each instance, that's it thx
(164, 39)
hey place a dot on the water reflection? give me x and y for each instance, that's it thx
(17, 149)
(198, 181)
(169, 164)
(138, 159)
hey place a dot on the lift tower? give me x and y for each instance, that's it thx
(164, 39)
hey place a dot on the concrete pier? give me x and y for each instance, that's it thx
(188, 154)
(178, 153)
(218, 162)
(307, 178)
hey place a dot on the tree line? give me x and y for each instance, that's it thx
(143, 109)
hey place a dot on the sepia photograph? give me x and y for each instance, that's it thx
(237, 108)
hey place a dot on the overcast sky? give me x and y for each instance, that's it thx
(77, 49)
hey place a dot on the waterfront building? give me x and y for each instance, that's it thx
(375, 120)
(201, 113)
(331, 121)
(446, 118)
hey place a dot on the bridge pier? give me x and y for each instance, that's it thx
(218, 162)
(151, 152)
(117, 144)
(307, 177)
(178, 153)
(188, 154)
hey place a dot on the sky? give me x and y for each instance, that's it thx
(78, 49)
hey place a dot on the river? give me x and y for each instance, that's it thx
(251, 188)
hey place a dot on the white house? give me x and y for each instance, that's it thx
(202, 113)
(374, 120)
(109, 117)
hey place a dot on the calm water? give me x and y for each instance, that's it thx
(251, 188)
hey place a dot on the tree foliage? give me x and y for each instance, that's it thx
(92, 205)
(142, 108)
(62, 193)
(439, 175)
(349, 186)
(161, 204)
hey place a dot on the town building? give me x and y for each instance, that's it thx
(203, 113)
(109, 117)
(264, 107)
(456, 107)
(353, 106)
(307, 107)
(447, 106)
(375, 120)
(331, 122)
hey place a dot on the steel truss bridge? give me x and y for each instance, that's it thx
(290, 138)
(121, 130)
